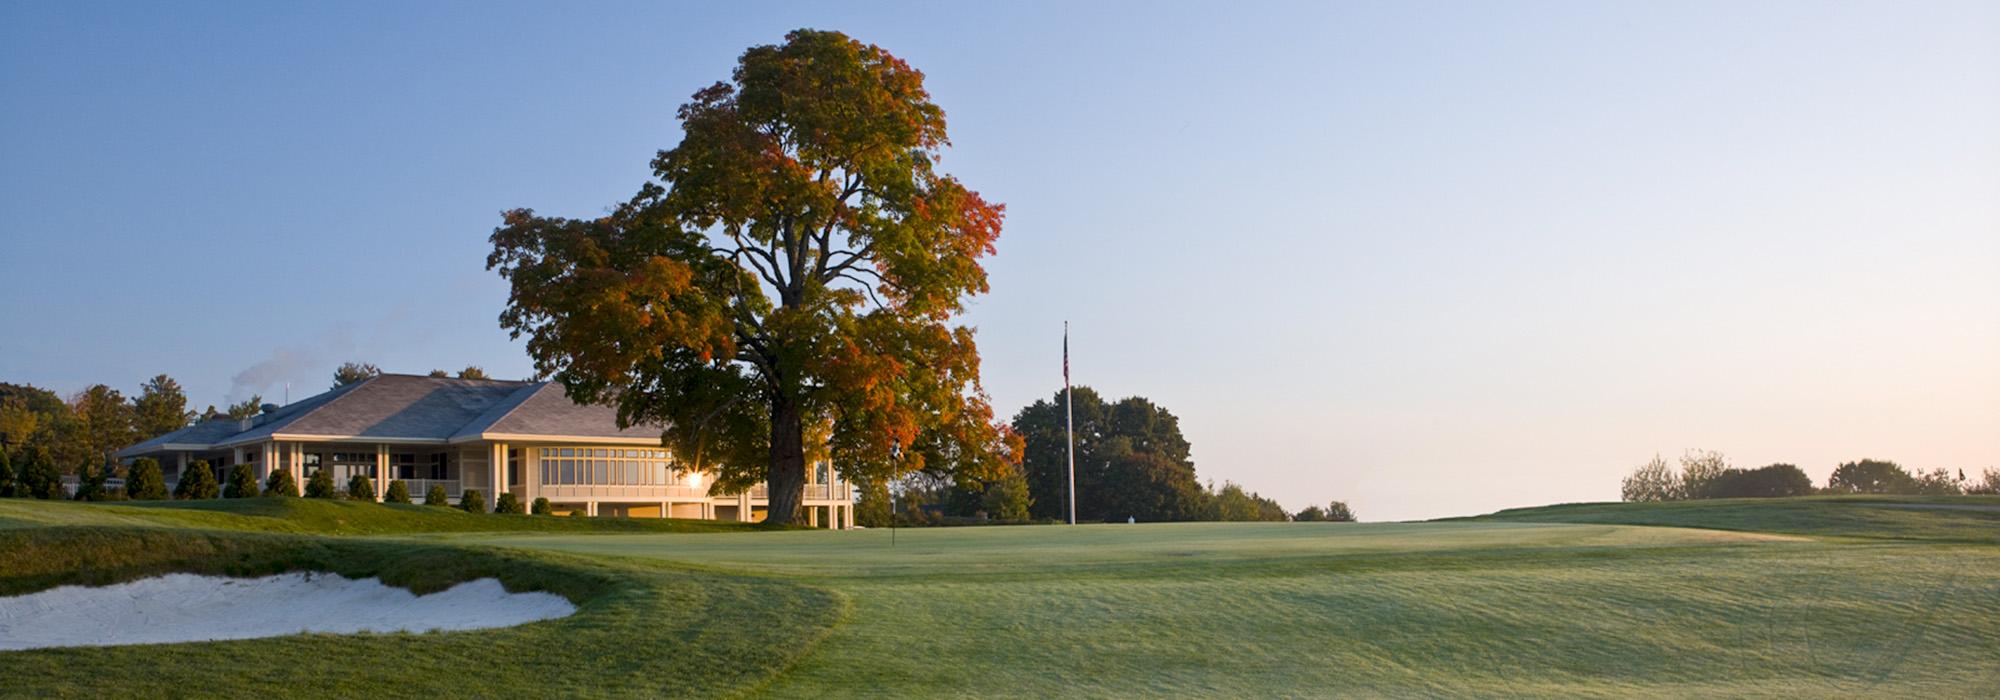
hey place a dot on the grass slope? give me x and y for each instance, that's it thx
(323, 517)
(1972, 519)
(1307, 609)
(639, 630)
(1839, 602)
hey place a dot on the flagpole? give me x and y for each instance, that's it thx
(1069, 420)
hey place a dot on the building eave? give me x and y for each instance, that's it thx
(563, 439)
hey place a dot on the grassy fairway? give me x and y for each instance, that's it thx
(1311, 609)
(319, 517)
(1806, 597)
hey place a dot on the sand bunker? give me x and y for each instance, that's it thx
(188, 608)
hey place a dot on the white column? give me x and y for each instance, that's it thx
(743, 507)
(381, 470)
(590, 508)
(531, 475)
(812, 516)
(496, 467)
(298, 466)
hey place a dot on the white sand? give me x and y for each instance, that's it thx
(186, 608)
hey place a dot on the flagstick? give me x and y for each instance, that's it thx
(1069, 420)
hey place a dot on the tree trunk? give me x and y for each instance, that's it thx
(785, 479)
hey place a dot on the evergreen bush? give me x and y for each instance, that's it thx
(197, 482)
(544, 507)
(321, 485)
(435, 496)
(472, 501)
(90, 484)
(281, 484)
(145, 481)
(509, 504)
(398, 492)
(242, 482)
(361, 488)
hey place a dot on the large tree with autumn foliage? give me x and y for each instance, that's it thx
(786, 288)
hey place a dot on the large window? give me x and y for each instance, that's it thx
(606, 466)
(412, 465)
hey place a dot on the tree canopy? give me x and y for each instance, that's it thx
(1871, 476)
(793, 270)
(351, 372)
(161, 408)
(1131, 460)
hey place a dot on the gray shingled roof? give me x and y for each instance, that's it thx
(410, 407)
(207, 432)
(548, 411)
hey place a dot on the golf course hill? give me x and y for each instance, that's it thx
(1852, 596)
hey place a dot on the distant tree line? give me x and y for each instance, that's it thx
(1132, 463)
(1707, 474)
(45, 437)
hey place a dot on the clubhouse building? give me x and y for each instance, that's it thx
(524, 438)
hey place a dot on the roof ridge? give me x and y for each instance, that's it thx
(338, 393)
(479, 424)
(460, 379)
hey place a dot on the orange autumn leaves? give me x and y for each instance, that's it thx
(798, 249)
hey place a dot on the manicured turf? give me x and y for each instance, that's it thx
(1943, 518)
(1796, 598)
(322, 517)
(640, 631)
(1257, 610)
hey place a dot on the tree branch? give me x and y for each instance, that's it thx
(866, 288)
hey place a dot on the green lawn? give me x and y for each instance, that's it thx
(322, 517)
(1806, 597)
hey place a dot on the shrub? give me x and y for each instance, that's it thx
(361, 488)
(508, 503)
(1937, 482)
(435, 496)
(281, 483)
(1702, 472)
(1988, 485)
(544, 507)
(1007, 498)
(145, 481)
(874, 507)
(398, 492)
(1771, 481)
(472, 501)
(242, 482)
(1338, 512)
(321, 485)
(1652, 481)
(197, 482)
(90, 484)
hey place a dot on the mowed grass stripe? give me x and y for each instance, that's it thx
(1493, 607)
(1401, 609)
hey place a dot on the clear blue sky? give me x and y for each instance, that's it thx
(1429, 258)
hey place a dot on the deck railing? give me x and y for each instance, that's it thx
(419, 487)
